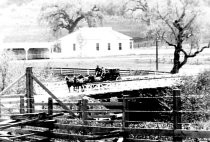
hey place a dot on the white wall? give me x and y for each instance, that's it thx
(87, 48)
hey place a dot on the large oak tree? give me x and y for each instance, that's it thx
(68, 14)
(176, 23)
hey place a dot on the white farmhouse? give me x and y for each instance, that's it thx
(92, 42)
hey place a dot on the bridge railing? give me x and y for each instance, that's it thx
(85, 71)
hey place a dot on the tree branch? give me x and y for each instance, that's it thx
(182, 15)
(199, 51)
(74, 24)
(169, 43)
(190, 22)
(167, 23)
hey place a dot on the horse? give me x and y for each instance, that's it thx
(69, 82)
(79, 82)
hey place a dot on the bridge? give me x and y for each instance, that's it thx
(127, 83)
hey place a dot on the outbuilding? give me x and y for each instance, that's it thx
(92, 42)
(28, 51)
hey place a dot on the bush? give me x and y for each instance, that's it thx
(9, 71)
(196, 97)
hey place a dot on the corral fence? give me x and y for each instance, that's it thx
(90, 120)
(85, 71)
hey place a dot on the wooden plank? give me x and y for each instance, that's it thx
(106, 104)
(27, 135)
(89, 111)
(54, 97)
(158, 132)
(54, 103)
(69, 136)
(28, 116)
(140, 140)
(93, 129)
(5, 139)
(6, 122)
(13, 96)
(18, 124)
(169, 132)
(44, 124)
(41, 115)
(192, 134)
(103, 135)
(105, 110)
(28, 122)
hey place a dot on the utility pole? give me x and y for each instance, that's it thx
(157, 40)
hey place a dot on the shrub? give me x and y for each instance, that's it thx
(196, 96)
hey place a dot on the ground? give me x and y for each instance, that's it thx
(140, 59)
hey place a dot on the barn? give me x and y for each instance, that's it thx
(92, 42)
(28, 51)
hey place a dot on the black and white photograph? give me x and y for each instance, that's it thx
(105, 71)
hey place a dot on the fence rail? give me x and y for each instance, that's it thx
(175, 130)
(85, 71)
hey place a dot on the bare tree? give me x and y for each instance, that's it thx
(176, 26)
(182, 29)
(68, 15)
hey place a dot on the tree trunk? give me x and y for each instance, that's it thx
(176, 65)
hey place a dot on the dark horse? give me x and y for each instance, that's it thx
(80, 81)
(70, 82)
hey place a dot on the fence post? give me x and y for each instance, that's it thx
(29, 90)
(125, 115)
(0, 107)
(50, 106)
(125, 108)
(50, 112)
(176, 113)
(84, 109)
(22, 105)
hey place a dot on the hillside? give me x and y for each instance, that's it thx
(20, 23)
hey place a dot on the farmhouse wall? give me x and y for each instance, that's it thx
(94, 42)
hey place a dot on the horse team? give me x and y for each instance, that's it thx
(100, 75)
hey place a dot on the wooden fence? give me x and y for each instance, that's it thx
(101, 120)
(84, 119)
(85, 71)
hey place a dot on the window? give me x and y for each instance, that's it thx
(97, 46)
(131, 45)
(120, 46)
(74, 47)
(57, 47)
(109, 46)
